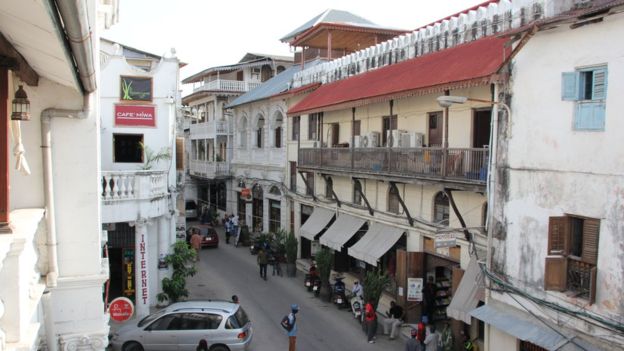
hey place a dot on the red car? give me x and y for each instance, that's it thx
(208, 234)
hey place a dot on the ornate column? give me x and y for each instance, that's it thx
(141, 263)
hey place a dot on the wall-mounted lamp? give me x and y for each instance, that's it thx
(21, 106)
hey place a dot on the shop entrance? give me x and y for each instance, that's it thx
(121, 248)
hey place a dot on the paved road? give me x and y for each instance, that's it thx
(228, 270)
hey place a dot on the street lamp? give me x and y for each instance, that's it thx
(448, 100)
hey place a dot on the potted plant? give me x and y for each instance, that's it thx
(291, 245)
(374, 284)
(181, 260)
(324, 259)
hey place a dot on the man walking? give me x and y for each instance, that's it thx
(370, 316)
(413, 344)
(196, 242)
(263, 261)
(292, 323)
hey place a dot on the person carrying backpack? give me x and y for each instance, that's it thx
(289, 323)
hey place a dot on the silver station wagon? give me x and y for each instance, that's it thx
(189, 325)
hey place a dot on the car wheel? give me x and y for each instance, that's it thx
(132, 346)
(219, 348)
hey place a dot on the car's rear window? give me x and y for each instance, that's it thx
(241, 317)
(149, 319)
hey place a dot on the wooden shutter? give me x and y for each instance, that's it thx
(558, 235)
(555, 273)
(569, 91)
(590, 115)
(599, 84)
(591, 234)
(593, 275)
(180, 154)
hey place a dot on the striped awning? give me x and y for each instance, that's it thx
(375, 243)
(471, 289)
(341, 231)
(318, 221)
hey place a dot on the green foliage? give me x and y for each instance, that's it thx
(279, 241)
(150, 157)
(291, 244)
(127, 90)
(181, 260)
(374, 284)
(323, 260)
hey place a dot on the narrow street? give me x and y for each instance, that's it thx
(229, 270)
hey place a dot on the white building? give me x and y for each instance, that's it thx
(139, 98)
(558, 243)
(209, 140)
(52, 271)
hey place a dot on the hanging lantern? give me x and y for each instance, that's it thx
(21, 106)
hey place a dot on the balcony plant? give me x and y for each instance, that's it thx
(375, 282)
(291, 245)
(182, 261)
(150, 157)
(324, 259)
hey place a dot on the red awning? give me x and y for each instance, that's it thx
(462, 66)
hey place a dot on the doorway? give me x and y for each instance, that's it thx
(435, 129)
(481, 120)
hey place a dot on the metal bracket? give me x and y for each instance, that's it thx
(305, 180)
(370, 209)
(332, 190)
(409, 217)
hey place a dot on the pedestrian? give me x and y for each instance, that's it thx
(393, 323)
(292, 333)
(203, 345)
(412, 343)
(235, 299)
(357, 289)
(235, 229)
(228, 228)
(263, 261)
(196, 242)
(421, 329)
(371, 321)
(429, 291)
(432, 340)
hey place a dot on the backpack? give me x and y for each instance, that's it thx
(286, 323)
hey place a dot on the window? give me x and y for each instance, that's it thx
(293, 176)
(357, 192)
(278, 137)
(179, 154)
(329, 184)
(310, 181)
(193, 149)
(242, 134)
(314, 120)
(587, 87)
(128, 148)
(296, 125)
(135, 88)
(393, 199)
(572, 255)
(259, 132)
(441, 209)
(356, 127)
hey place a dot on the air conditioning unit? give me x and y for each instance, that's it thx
(393, 137)
(374, 139)
(356, 141)
(416, 139)
(363, 141)
(404, 140)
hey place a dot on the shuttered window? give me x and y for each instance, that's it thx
(572, 256)
(588, 88)
(180, 154)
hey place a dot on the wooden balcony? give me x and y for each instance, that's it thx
(462, 165)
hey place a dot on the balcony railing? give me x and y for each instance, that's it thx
(211, 128)
(226, 85)
(133, 185)
(206, 169)
(458, 163)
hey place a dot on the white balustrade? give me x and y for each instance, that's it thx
(133, 185)
(207, 169)
(227, 85)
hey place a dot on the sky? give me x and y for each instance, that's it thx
(209, 33)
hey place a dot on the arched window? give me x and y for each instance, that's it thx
(280, 69)
(277, 135)
(393, 200)
(357, 192)
(259, 132)
(242, 134)
(441, 209)
(275, 191)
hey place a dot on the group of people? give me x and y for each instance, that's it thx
(265, 257)
(232, 228)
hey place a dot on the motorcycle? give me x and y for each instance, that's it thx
(357, 305)
(316, 286)
(307, 282)
(338, 293)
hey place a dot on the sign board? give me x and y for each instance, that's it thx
(245, 193)
(121, 309)
(414, 289)
(135, 115)
(445, 240)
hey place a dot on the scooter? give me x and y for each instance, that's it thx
(357, 305)
(339, 297)
(316, 286)
(307, 282)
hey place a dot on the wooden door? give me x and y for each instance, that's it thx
(481, 128)
(436, 126)
(335, 134)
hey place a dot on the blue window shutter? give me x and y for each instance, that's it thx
(599, 84)
(568, 86)
(590, 116)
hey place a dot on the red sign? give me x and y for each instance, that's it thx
(121, 309)
(135, 115)
(245, 192)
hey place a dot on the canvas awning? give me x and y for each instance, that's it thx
(376, 242)
(529, 329)
(471, 289)
(341, 231)
(318, 221)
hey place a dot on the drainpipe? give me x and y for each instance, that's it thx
(48, 188)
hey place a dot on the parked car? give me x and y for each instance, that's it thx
(223, 325)
(209, 235)
(190, 209)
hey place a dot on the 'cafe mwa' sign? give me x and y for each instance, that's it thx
(135, 115)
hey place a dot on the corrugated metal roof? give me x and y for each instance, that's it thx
(331, 16)
(475, 60)
(273, 86)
